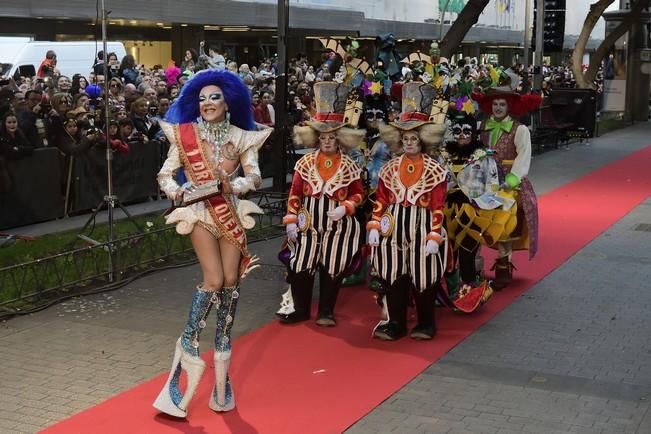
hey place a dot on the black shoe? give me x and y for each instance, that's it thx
(389, 332)
(326, 320)
(293, 317)
(423, 333)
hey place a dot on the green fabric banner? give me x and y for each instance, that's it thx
(454, 6)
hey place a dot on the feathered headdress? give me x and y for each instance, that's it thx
(172, 72)
(238, 99)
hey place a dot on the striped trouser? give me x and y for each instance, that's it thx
(326, 242)
(402, 252)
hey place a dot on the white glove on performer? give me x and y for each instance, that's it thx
(373, 238)
(292, 232)
(431, 248)
(337, 213)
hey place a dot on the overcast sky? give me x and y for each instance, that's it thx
(576, 13)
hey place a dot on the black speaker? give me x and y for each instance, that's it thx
(554, 26)
(576, 106)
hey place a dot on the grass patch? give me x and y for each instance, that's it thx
(59, 264)
(607, 125)
(52, 244)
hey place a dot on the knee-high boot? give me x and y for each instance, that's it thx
(301, 287)
(394, 326)
(426, 327)
(222, 397)
(467, 266)
(171, 400)
(328, 292)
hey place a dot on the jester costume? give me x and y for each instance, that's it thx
(510, 142)
(376, 154)
(472, 181)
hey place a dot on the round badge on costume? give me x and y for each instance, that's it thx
(386, 225)
(303, 220)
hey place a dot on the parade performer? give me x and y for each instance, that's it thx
(406, 227)
(376, 107)
(376, 154)
(472, 186)
(212, 134)
(326, 190)
(511, 143)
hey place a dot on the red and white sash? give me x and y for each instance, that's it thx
(200, 170)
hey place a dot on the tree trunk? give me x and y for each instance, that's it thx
(466, 19)
(606, 44)
(596, 10)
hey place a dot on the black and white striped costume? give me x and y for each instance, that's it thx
(407, 215)
(321, 241)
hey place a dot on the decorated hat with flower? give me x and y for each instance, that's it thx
(502, 84)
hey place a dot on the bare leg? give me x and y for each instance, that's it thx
(208, 252)
(230, 263)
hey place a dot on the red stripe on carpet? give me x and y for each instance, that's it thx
(303, 379)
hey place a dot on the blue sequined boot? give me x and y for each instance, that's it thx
(222, 398)
(171, 399)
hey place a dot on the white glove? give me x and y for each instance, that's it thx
(431, 248)
(292, 232)
(337, 213)
(374, 238)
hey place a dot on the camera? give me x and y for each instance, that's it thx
(153, 110)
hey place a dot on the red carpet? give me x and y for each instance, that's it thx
(302, 379)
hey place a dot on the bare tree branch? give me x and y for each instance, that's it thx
(466, 19)
(596, 10)
(606, 45)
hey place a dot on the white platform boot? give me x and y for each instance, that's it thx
(171, 400)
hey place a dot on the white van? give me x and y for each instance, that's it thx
(72, 57)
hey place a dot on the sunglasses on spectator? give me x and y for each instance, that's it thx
(115, 85)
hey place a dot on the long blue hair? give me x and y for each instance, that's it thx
(238, 98)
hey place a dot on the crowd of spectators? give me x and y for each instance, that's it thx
(68, 113)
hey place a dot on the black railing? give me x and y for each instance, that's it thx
(31, 285)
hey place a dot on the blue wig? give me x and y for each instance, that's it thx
(238, 98)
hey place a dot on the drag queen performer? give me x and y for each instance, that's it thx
(405, 229)
(322, 231)
(212, 135)
(511, 143)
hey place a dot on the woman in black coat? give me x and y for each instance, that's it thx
(13, 146)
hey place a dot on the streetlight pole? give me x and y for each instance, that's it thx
(279, 151)
(527, 36)
(540, 31)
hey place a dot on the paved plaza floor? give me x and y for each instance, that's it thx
(571, 355)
